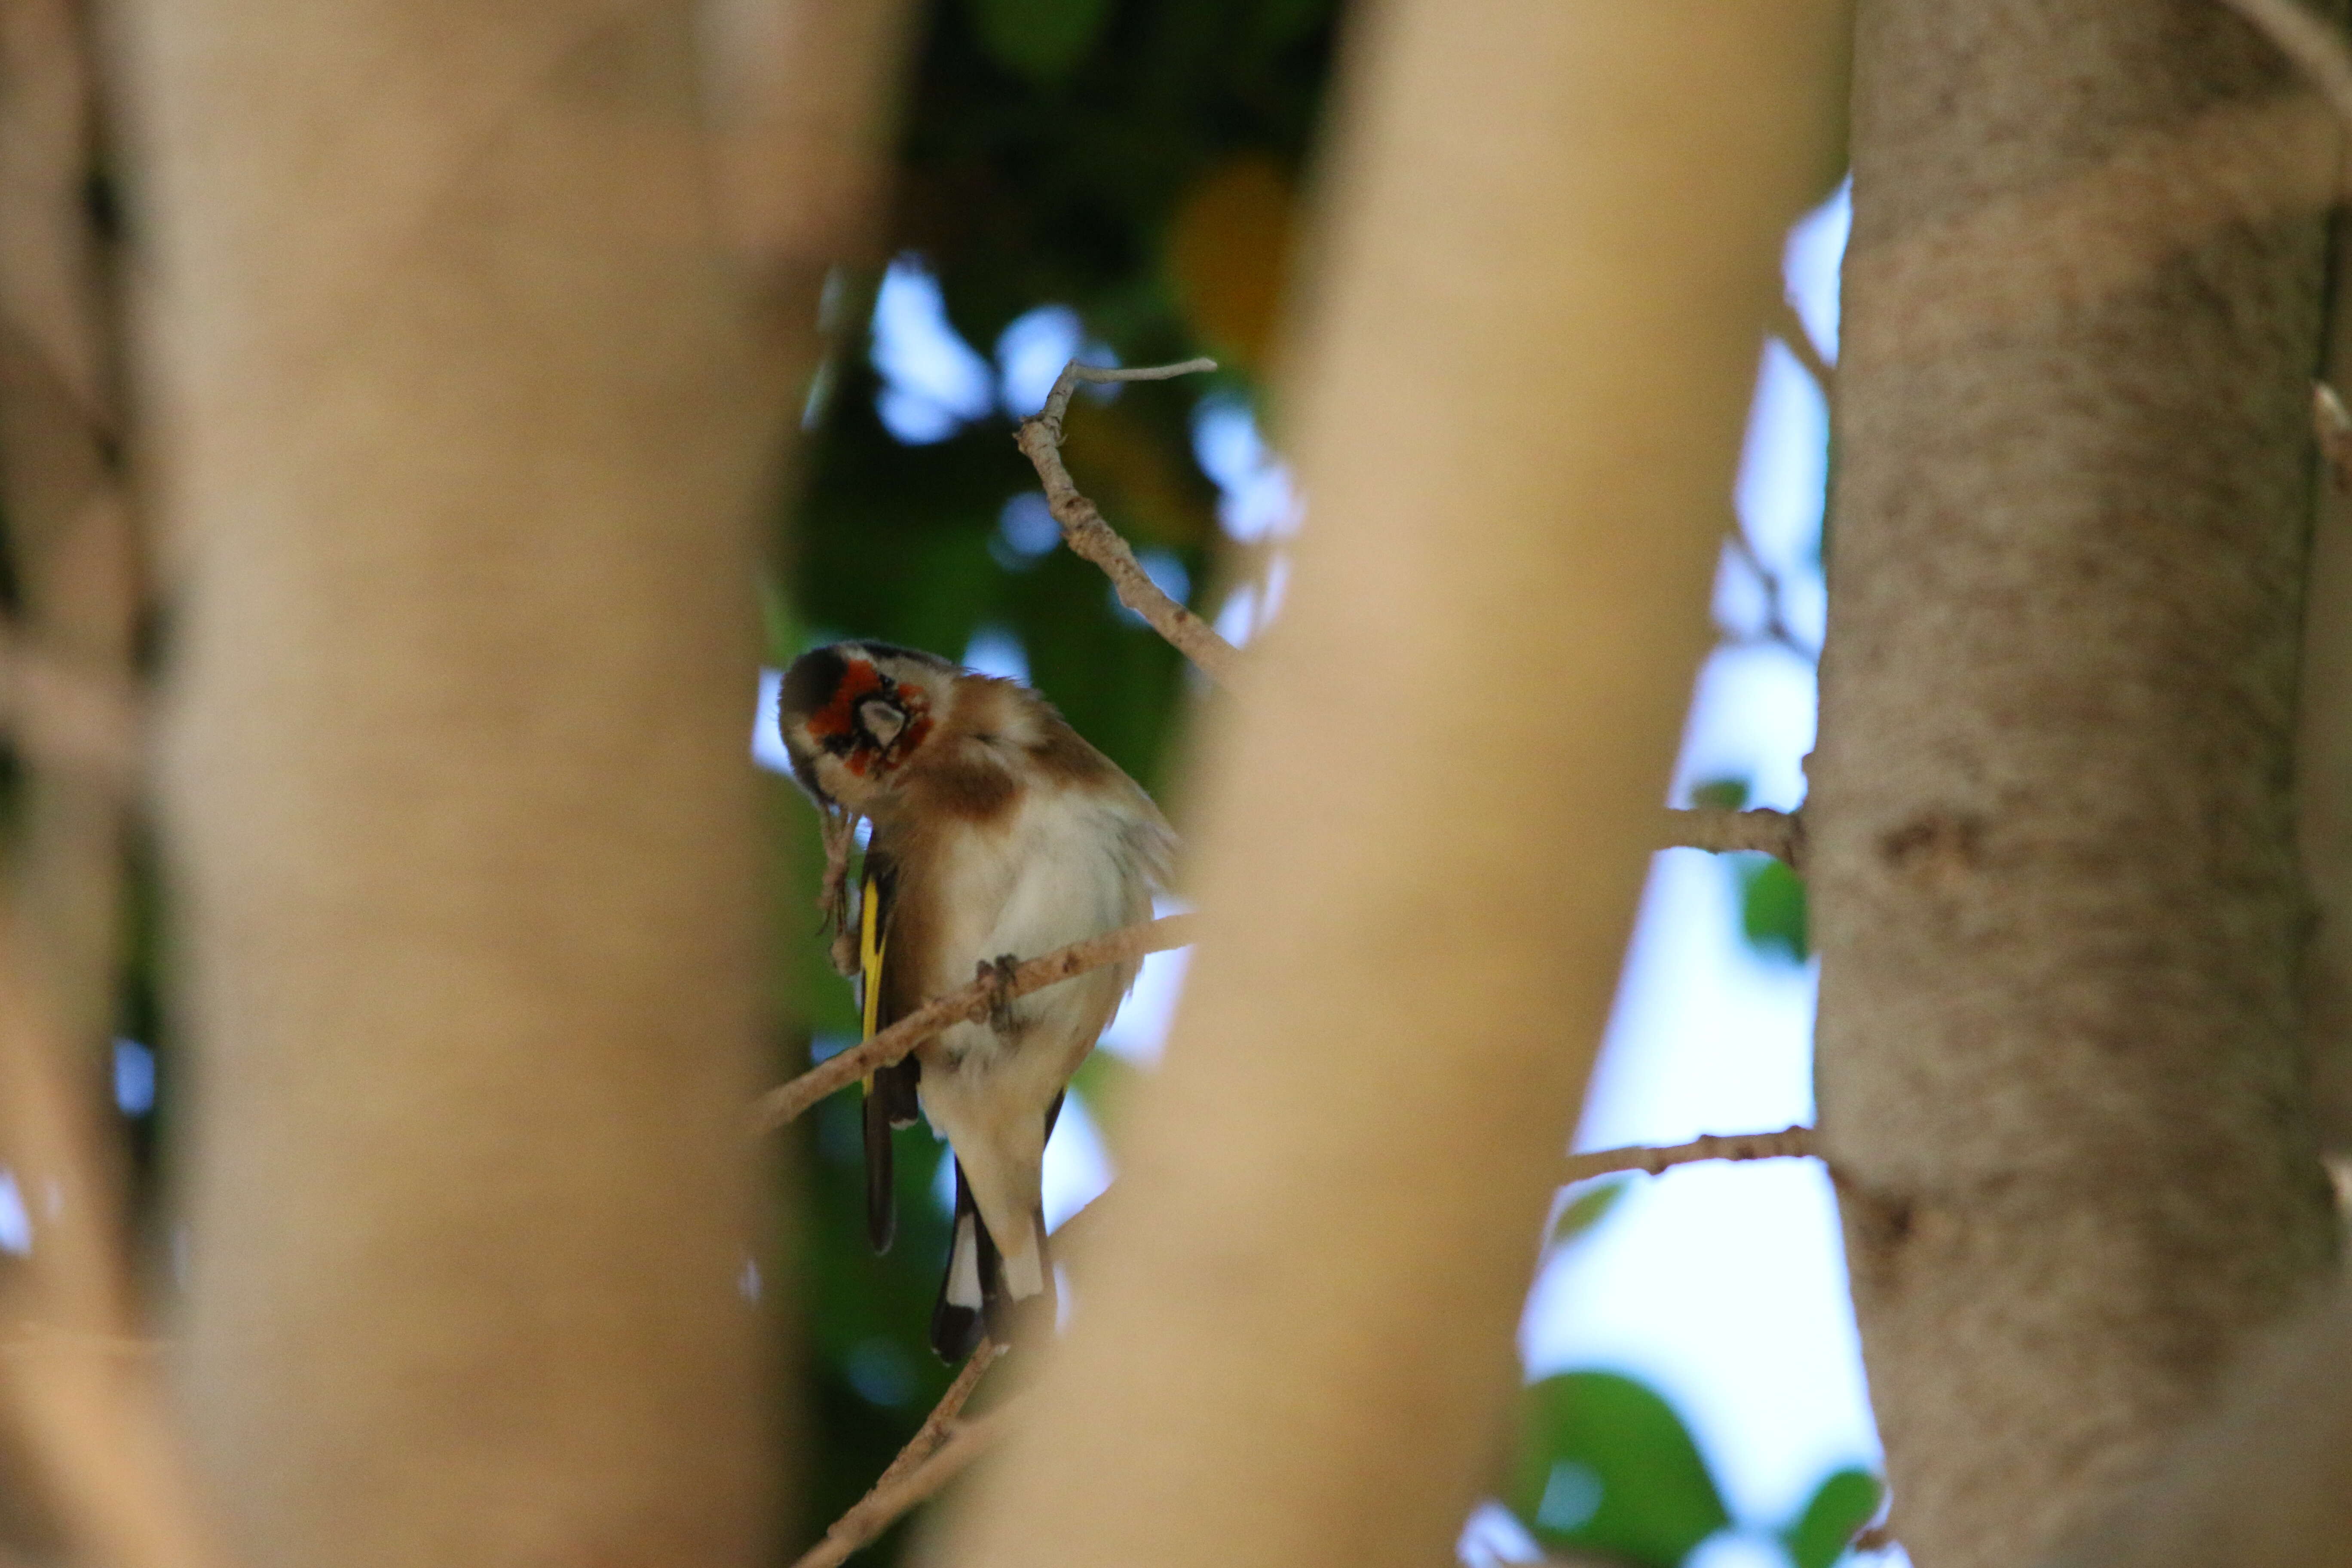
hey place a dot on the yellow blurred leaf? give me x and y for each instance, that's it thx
(1227, 252)
(1126, 468)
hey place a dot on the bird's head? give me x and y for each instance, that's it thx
(854, 714)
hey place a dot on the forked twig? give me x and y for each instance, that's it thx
(1040, 440)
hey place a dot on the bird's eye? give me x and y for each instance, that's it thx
(882, 720)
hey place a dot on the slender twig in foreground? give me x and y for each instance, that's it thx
(2313, 45)
(1788, 326)
(1781, 834)
(1879, 1537)
(879, 1509)
(942, 1420)
(1040, 440)
(1776, 628)
(1793, 1142)
(971, 1004)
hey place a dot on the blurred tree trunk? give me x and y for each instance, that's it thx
(2051, 850)
(461, 443)
(1554, 237)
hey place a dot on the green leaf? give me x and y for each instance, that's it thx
(1771, 908)
(1042, 40)
(1587, 1209)
(1722, 794)
(1104, 1081)
(1841, 1506)
(1605, 1466)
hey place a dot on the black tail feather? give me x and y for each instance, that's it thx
(890, 1103)
(896, 1084)
(881, 1206)
(957, 1327)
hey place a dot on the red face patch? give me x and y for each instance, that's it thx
(837, 719)
(861, 681)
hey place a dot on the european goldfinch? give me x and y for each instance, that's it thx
(998, 835)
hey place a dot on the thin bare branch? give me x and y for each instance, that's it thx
(1780, 833)
(1040, 440)
(880, 1509)
(1879, 1537)
(1776, 628)
(1793, 1142)
(1791, 329)
(2313, 44)
(941, 1421)
(969, 1004)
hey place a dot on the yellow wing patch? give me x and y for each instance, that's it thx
(869, 956)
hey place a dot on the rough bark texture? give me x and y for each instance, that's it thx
(2266, 1481)
(461, 469)
(2323, 760)
(1552, 249)
(2050, 843)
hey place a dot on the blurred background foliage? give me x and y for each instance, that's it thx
(1118, 179)
(1077, 176)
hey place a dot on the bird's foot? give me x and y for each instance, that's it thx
(998, 977)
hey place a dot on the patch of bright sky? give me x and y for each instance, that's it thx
(1031, 353)
(134, 1078)
(993, 650)
(1257, 501)
(1810, 263)
(1257, 496)
(1026, 531)
(15, 1219)
(933, 382)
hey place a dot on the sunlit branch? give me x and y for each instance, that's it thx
(1040, 439)
(1780, 833)
(969, 1004)
(1793, 1142)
